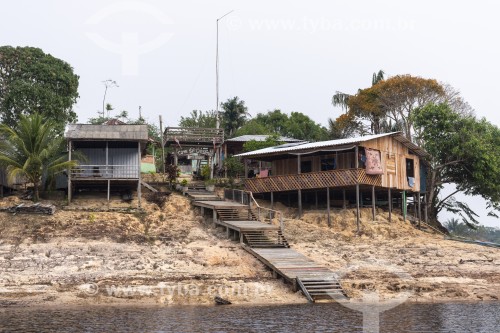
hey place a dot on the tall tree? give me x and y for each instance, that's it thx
(34, 82)
(197, 118)
(300, 126)
(33, 149)
(346, 125)
(389, 104)
(464, 151)
(234, 115)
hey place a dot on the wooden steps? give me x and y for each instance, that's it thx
(235, 214)
(201, 194)
(265, 239)
(316, 289)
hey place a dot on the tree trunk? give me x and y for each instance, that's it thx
(36, 196)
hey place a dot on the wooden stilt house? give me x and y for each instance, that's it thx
(112, 157)
(365, 171)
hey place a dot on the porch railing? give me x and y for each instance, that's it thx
(311, 180)
(105, 171)
(264, 215)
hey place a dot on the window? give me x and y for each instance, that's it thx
(328, 164)
(305, 166)
(410, 168)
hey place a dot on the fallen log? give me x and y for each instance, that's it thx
(37, 208)
(221, 301)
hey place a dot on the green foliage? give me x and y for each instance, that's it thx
(234, 115)
(200, 119)
(184, 182)
(172, 172)
(297, 125)
(271, 141)
(234, 167)
(385, 106)
(481, 233)
(34, 149)
(205, 171)
(34, 82)
(253, 127)
(465, 151)
(300, 126)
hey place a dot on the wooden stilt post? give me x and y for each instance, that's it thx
(109, 189)
(373, 202)
(403, 203)
(300, 190)
(272, 200)
(356, 163)
(214, 216)
(225, 157)
(389, 203)
(425, 208)
(344, 204)
(414, 206)
(328, 206)
(246, 168)
(69, 172)
(1, 190)
(419, 210)
(300, 203)
(316, 199)
(139, 194)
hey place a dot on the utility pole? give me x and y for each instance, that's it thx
(217, 70)
(162, 146)
(217, 120)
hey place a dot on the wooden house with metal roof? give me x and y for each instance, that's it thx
(364, 170)
(112, 157)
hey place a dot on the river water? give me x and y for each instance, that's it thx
(439, 317)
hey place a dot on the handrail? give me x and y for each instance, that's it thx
(265, 215)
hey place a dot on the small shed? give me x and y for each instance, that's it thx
(112, 156)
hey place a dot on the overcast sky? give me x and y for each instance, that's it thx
(291, 55)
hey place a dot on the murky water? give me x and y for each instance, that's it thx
(441, 317)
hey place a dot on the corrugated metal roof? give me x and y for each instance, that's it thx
(331, 143)
(107, 132)
(246, 138)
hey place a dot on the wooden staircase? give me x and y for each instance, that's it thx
(316, 289)
(265, 239)
(236, 214)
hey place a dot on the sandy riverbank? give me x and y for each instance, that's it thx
(170, 256)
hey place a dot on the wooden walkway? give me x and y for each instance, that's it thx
(267, 243)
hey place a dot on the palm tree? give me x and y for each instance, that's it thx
(342, 99)
(234, 115)
(345, 125)
(33, 150)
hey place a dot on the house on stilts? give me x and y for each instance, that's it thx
(368, 171)
(112, 158)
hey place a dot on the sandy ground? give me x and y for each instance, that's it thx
(170, 255)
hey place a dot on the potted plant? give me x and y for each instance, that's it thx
(184, 184)
(210, 185)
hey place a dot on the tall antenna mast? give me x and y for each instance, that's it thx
(217, 71)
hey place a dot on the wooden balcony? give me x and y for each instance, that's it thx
(312, 180)
(94, 172)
